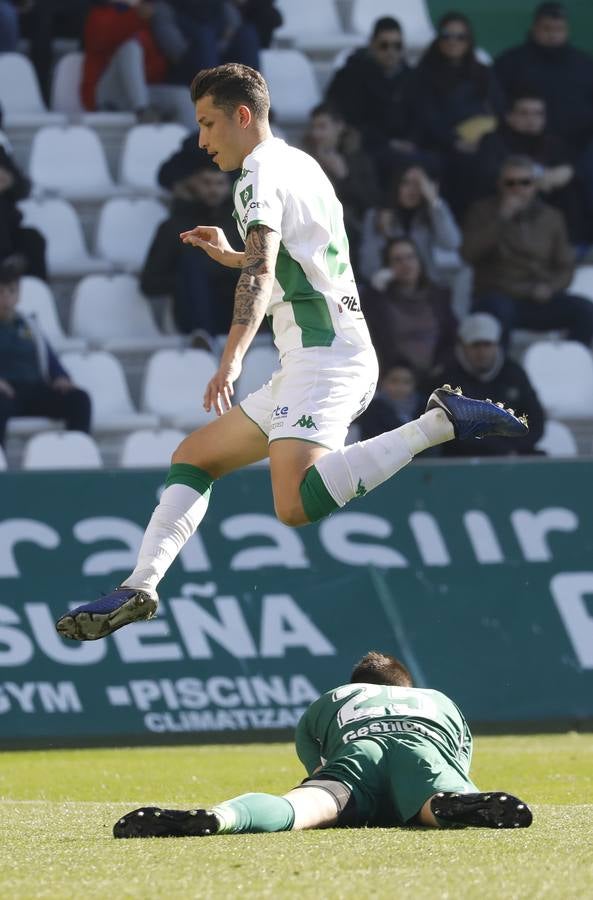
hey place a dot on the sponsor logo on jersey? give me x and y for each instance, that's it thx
(305, 421)
(280, 412)
(244, 174)
(246, 195)
(352, 303)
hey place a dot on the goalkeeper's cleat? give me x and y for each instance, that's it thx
(490, 810)
(476, 418)
(101, 617)
(151, 821)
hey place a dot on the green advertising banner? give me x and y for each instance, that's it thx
(479, 576)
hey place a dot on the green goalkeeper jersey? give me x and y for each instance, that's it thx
(355, 711)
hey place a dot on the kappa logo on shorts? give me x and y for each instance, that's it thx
(305, 422)
(246, 195)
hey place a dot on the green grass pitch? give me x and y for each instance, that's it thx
(57, 809)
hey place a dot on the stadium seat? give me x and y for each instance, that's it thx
(62, 450)
(313, 25)
(293, 87)
(562, 374)
(557, 440)
(71, 162)
(36, 299)
(20, 97)
(145, 148)
(5, 142)
(582, 282)
(125, 230)
(258, 366)
(110, 312)
(24, 426)
(102, 375)
(413, 16)
(67, 255)
(3, 464)
(173, 386)
(150, 449)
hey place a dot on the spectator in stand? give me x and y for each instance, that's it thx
(42, 22)
(396, 402)
(32, 380)
(416, 210)
(123, 66)
(522, 260)
(336, 147)
(562, 74)
(481, 369)
(523, 132)
(14, 238)
(409, 317)
(202, 291)
(372, 93)
(457, 100)
(9, 26)
(264, 15)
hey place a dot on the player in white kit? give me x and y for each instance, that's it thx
(296, 270)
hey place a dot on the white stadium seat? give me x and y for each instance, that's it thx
(413, 16)
(557, 440)
(313, 25)
(71, 162)
(3, 465)
(23, 426)
(67, 255)
(562, 374)
(102, 376)
(62, 450)
(293, 87)
(36, 299)
(582, 282)
(150, 449)
(174, 383)
(125, 230)
(145, 148)
(20, 97)
(5, 142)
(65, 86)
(258, 367)
(109, 311)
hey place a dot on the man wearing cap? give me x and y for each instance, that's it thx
(202, 291)
(32, 380)
(481, 368)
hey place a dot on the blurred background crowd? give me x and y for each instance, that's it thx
(466, 180)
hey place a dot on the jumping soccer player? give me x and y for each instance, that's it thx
(378, 751)
(295, 268)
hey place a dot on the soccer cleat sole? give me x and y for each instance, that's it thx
(151, 821)
(85, 626)
(494, 809)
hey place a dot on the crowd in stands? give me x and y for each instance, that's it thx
(466, 184)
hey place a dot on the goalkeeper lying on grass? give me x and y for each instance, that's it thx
(378, 751)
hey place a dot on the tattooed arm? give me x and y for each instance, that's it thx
(252, 295)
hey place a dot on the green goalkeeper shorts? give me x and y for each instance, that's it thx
(392, 777)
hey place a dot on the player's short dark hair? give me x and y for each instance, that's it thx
(385, 23)
(381, 668)
(232, 85)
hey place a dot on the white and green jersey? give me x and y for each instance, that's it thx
(315, 300)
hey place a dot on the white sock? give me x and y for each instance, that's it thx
(174, 521)
(358, 468)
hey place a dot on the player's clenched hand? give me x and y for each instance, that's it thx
(219, 389)
(210, 239)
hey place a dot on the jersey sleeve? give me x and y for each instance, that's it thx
(307, 746)
(259, 198)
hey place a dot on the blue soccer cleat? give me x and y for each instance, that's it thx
(101, 617)
(476, 418)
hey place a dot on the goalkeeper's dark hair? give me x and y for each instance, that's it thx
(381, 668)
(232, 85)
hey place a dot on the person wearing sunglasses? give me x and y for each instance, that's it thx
(523, 262)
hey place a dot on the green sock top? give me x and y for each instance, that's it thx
(191, 476)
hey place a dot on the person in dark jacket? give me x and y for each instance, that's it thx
(372, 93)
(14, 238)
(457, 100)
(202, 291)
(481, 369)
(32, 380)
(524, 132)
(561, 73)
(409, 317)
